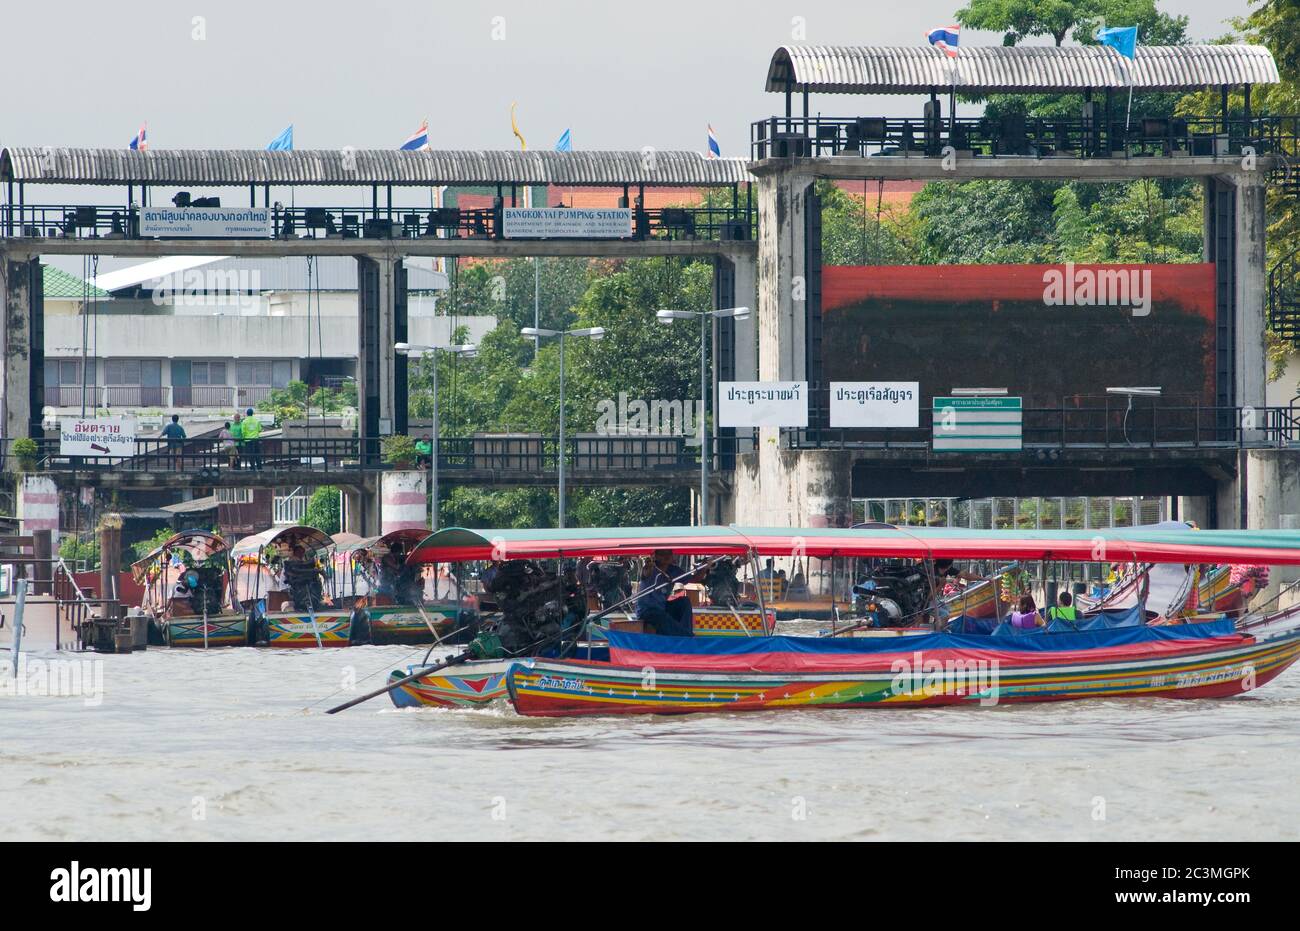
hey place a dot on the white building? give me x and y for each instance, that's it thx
(205, 336)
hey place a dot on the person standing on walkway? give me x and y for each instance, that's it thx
(253, 440)
(237, 435)
(174, 434)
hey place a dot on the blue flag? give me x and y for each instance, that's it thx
(282, 142)
(564, 143)
(1122, 39)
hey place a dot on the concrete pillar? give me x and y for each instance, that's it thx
(793, 487)
(746, 331)
(404, 500)
(361, 508)
(1195, 508)
(15, 348)
(377, 291)
(1251, 356)
(782, 277)
(38, 505)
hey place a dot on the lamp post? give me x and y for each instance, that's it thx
(706, 317)
(595, 332)
(417, 351)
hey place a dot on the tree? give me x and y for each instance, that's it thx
(1078, 19)
(324, 512)
(862, 229)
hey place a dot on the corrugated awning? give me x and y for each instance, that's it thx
(342, 167)
(856, 69)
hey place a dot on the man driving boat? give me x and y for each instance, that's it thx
(656, 607)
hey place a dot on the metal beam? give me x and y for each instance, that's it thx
(922, 168)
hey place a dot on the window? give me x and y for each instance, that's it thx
(234, 495)
(256, 373)
(208, 373)
(67, 371)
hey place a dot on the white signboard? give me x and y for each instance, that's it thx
(977, 425)
(97, 436)
(207, 222)
(763, 404)
(566, 223)
(875, 404)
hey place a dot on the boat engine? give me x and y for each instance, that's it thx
(724, 589)
(305, 589)
(892, 595)
(536, 606)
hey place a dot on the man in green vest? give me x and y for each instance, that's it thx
(1064, 610)
(252, 438)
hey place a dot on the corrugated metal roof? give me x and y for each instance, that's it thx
(241, 167)
(915, 69)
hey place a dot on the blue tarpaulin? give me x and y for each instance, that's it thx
(1045, 642)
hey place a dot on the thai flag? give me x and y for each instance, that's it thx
(418, 140)
(944, 38)
(715, 150)
(141, 141)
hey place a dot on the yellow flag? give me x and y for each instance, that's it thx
(515, 126)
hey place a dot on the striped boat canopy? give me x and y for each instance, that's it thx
(1135, 544)
(198, 543)
(855, 69)
(284, 539)
(408, 536)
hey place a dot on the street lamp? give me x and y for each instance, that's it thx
(594, 332)
(667, 317)
(417, 351)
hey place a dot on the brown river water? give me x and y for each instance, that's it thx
(233, 745)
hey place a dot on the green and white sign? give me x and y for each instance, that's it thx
(976, 425)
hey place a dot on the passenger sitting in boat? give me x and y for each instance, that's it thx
(798, 590)
(304, 581)
(1027, 618)
(668, 616)
(1064, 610)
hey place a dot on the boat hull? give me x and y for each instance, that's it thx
(466, 685)
(404, 623)
(549, 688)
(226, 630)
(290, 629)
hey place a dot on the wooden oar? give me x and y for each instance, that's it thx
(527, 651)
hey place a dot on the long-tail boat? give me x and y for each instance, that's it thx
(186, 583)
(1111, 654)
(395, 601)
(280, 579)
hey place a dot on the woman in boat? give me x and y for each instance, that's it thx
(1027, 617)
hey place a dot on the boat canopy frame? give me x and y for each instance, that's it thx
(1136, 544)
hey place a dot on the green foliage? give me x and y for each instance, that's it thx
(1077, 19)
(1150, 220)
(505, 288)
(398, 449)
(505, 388)
(77, 553)
(324, 510)
(295, 400)
(24, 449)
(145, 547)
(860, 229)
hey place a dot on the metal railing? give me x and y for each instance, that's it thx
(513, 454)
(1107, 424)
(1035, 137)
(57, 221)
